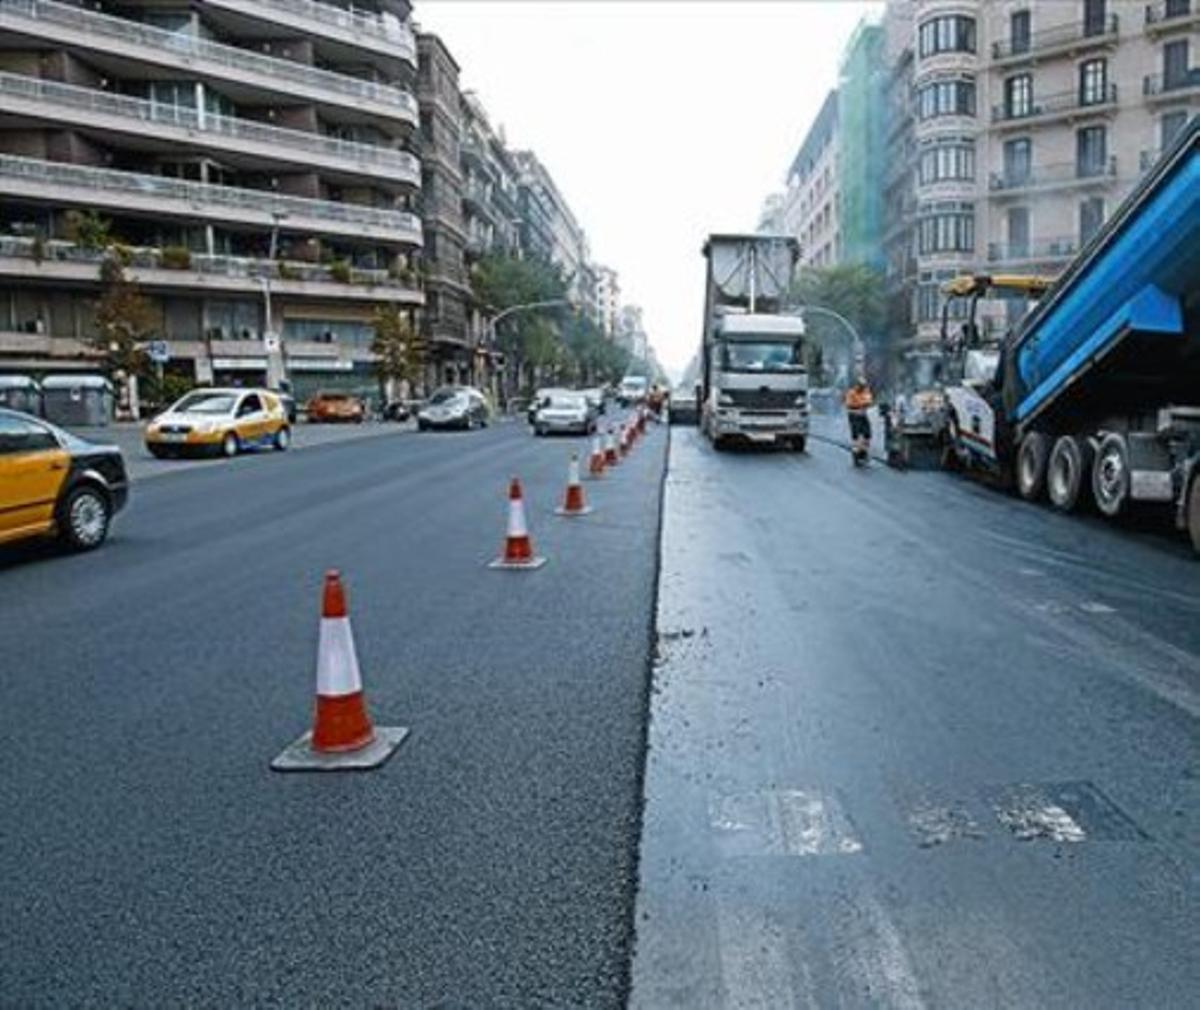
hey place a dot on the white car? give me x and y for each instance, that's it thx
(564, 412)
(633, 389)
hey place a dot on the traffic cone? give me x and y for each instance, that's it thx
(643, 417)
(573, 503)
(623, 442)
(342, 736)
(596, 459)
(610, 450)
(518, 547)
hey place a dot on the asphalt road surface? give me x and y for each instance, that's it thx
(151, 859)
(915, 744)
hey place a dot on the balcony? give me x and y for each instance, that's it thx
(1051, 250)
(49, 182)
(1172, 16)
(478, 198)
(86, 108)
(1061, 40)
(1167, 87)
(1064, 175)
(150, 267)
(57, 25)
(385, 35)
(1050, 108)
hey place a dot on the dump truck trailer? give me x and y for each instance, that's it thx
(1095, 397)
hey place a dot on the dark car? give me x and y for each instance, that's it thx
(55, 483)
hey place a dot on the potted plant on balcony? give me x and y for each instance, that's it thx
(341, 272)
(176, 257)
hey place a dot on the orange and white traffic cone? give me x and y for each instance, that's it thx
(596, 459)
(573, 502)
(643, 417)
(610, 450)
(623, 441)
(518, 546)
(342, 736)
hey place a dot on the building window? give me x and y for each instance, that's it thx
(947, 228)
(1091, 217)
(945, 162)
(1094, 17)
(1091, 151)
(1018, 96)
(946, 98)
(1178, 8)
(1170, 124)
(1018, 232)
(1175, 64)
(1019, 31)
(951, 34)
(1018, 161)
(1093, 82)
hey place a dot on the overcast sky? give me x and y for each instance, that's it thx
(660, 121)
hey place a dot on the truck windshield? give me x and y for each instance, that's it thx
(762, 357)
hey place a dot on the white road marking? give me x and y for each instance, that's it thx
(782, 822)
(875, 964)
(757, 967)
(936, 825)
(1095, 607)
(1029, 814)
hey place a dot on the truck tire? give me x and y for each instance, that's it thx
(1068, 473)
(1110, 475)
(1193, 511)
(799, 443)
(1031, 465)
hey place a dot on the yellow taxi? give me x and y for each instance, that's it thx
(220, 422)
(54, 483)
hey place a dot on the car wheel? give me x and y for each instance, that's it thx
(422, 426)
(799, 443)
(85, 518)
(1031, 465)
(230, 446)
(283, 439)
(1110, 475)
(157, 451)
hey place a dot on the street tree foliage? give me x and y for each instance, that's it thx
(399, 352)
(559, 346)
(853, 290)
(124, 319)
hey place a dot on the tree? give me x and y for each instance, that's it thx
(399, 351)
(853, 290)
(124, 321)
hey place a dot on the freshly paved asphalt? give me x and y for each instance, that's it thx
(915, 743)
(150, 858)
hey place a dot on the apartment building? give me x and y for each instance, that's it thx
(608, 300)
(860, 147)
(552, 229)
(1031, 121)
(445, 323)
(252, 159)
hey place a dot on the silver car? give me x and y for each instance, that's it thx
(454, 407)
(569, 413)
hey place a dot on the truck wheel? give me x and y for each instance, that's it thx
(799, 443)
(1193, 512)
(1067, 472)
(1031, 465)
(1110, 475)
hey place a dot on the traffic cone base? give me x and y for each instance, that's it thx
(534, 562)
(301, 757)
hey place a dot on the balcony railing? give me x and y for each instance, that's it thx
(33, 14)
(1165, 13)
(1063, 173)
(1049, 105)
(1061, 36)
(153, 258)
(369, 27)
(193, 194)
(1164, 84)
(1043, 249)
(400, 164)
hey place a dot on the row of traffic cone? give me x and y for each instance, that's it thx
(343, 737)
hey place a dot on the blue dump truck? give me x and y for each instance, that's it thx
(1094, 399)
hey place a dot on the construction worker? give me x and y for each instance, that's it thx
(858, 401)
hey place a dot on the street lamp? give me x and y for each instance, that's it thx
(856, 343)
(525, 307)
(273, 342)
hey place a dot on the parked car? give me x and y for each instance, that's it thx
(333, 407)
(682, 408)
(220, 422)
(539, 399)
(454, 407)
(55, 483)
(565, 412)
(396, 410)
